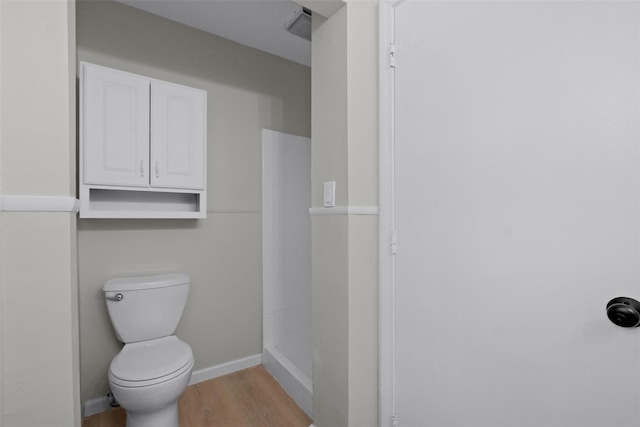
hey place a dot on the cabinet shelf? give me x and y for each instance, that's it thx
(125, 203)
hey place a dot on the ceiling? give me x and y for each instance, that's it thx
(255, 23)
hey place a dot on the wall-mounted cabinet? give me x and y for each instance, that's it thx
(142, 146)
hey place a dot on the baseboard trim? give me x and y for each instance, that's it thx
(101, 404)
(292, 380)
(95, 406)
(225, 368)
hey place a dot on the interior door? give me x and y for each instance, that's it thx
(517, 209)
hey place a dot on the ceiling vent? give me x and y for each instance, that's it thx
(300, 24)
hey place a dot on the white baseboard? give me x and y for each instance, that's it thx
(101, 404)
(292, 380)
(95, 406)
(225, 368)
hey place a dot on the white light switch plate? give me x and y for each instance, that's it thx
(329, 194)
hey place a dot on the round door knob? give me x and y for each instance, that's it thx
(624, 312)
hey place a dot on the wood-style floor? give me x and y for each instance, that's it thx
(248, 398)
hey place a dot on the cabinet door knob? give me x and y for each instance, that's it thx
(157, 169)
(142, 167)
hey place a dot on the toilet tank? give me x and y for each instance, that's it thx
(147, 307)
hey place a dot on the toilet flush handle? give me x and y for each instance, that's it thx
(116, 297)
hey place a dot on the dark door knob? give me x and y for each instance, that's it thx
(624, 312)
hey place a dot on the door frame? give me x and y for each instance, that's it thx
(386, 220)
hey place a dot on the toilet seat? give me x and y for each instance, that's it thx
(146, 363)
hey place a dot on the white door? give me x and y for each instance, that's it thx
(115, 127)
(178, 145)
(517, 213)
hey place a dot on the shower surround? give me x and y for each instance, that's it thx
(286, 243)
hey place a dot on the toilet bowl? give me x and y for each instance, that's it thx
(154, 367)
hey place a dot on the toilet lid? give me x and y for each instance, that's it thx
(148, 360)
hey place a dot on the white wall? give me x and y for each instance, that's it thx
(247, 90)
(344, 248)
(39, 384)
(329, 233)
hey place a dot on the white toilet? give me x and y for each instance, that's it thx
(154, 366)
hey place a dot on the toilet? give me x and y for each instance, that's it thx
(154, 367)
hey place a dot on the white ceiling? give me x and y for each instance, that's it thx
(256, 23)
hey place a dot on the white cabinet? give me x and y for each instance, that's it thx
(142, 146)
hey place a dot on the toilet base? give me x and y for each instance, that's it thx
(164, 417)
(153, 402)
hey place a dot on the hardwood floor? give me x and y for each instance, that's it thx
(248, 398)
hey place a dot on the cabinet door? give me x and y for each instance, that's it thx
(115, 127)
(178, 146)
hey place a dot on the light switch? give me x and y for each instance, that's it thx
(329, 194)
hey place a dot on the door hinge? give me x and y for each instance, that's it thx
(392, 55)
(394, 242)
(394, 420)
